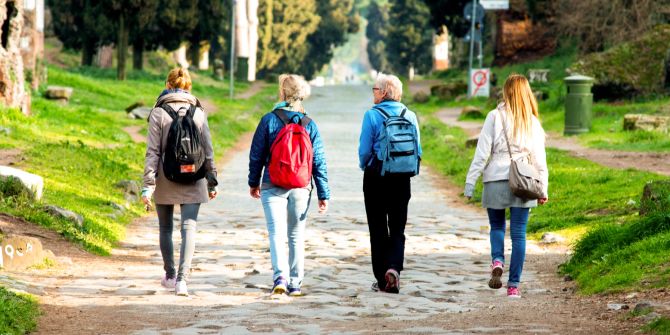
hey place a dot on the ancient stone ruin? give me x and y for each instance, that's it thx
(12, 91)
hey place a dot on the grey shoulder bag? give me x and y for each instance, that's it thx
(524, 180)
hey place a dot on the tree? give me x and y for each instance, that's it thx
(449, 13)
(599, 24)
(82, 25)
(338, 18)
(129, 14)
(283, 40)
(410, 38)
(377, 33)
(212, 19)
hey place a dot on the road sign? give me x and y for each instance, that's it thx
(495, 4)
(478, 85)
(479, 13)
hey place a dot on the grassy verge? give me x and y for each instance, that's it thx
(660, 326)
(18, 313)
(82, 151)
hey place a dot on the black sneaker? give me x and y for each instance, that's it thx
(375, 287)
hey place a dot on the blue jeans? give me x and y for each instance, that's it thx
(518, 222)
(286, 216)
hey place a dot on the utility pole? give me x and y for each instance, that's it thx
(232, 49)
(472, 44)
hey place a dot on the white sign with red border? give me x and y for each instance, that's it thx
(479, 83)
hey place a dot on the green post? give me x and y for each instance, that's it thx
(578, 104)
(242, 74)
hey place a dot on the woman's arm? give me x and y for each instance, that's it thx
(319, 168)
(482, 154)
(153, 154)
(258, 153)
(366, 140)
(540, 157)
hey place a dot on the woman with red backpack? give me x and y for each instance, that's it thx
(178, 174)
(286, 156)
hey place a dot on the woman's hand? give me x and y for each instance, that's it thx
(146, 198)
(255, 192)
(212, 192)
(323, 206)
(542, 201)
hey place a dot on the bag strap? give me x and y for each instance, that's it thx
(305, 121)
(402, 114)
(386, 115)
(282, 116)
(170, 111)
(509, 148)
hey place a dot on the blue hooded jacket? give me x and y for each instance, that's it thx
(259, 155)
(373, 121)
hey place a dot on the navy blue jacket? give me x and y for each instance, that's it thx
(259, 155)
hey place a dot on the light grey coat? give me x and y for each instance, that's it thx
(167, 192)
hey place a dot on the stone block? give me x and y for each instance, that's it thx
(20, 252)
(134, 105)
(449, 90)
(65, 214)
(472, 142)
(33, 183)
(58, 93)
(472, 112)
(655, 197)
(538, 75)
(646, 122)
(140, 113)
(421, 97)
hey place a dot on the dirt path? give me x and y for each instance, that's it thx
(647, 161)
(443, 286)
(254, 88)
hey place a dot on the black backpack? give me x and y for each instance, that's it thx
(184, 154)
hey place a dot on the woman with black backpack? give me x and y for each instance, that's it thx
(286, 153)
(179, 169)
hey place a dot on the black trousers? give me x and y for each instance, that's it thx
(386, 200)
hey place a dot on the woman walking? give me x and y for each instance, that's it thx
(286, 154)
(512, 127)
(178, 118)
(389, 152)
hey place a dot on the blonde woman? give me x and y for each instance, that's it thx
(285, 193)
(190, 189)
(518, 115)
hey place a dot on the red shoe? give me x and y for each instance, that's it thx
(392, 281)
(513, 292)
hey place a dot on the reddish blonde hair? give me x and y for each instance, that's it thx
(179, 78)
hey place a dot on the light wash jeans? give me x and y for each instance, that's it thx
(518, 222)
(286, 216)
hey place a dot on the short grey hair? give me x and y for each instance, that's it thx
(391, 85)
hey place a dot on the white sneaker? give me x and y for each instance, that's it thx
(181, 289)
(168, 282)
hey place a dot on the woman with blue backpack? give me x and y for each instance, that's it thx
(179, 169)
(389, 153)
(286, 158)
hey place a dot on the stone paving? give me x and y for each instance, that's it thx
(446, 257)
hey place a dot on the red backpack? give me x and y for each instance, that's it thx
(291, 154)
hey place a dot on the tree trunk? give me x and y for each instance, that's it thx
(195, 53)
(87, 53)
(122, 49)
(138, 54)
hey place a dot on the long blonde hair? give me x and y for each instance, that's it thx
(521, 106)
(293, 89)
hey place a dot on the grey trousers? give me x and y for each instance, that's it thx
(189, 215)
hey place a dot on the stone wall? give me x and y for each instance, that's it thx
(12, 91)
(32, 42)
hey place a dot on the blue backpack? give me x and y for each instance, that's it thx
(398, 145)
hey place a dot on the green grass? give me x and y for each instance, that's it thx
(18, 312)
(660, 326)
(82, 151)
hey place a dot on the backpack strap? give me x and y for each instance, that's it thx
(305, 121)
(282, 116)
(404, 110)
(386, 115)
(170, 111)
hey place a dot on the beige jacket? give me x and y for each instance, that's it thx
(492, 156)
(167, 192)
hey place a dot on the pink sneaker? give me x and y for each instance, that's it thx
(168, 282)
(496, 274)
(513, 292)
